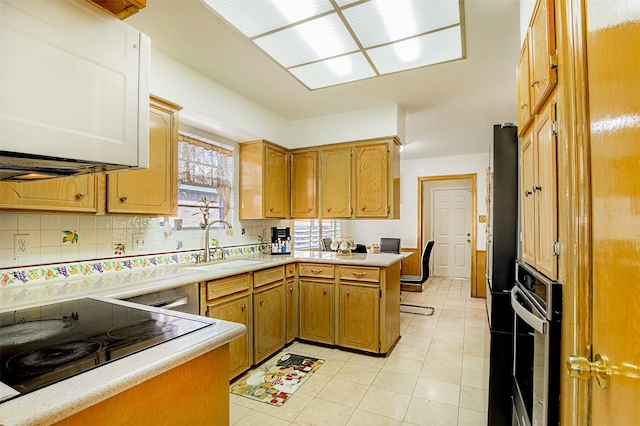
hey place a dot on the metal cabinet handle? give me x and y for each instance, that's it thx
(523, 105)
(537, 188)
(534, 82)
(80, 195)
(527, 193)
(315, 271)
(123, 198)
(359, 274)
(290, 289)
(325, 291)
(243, 307)
(348, 292)
(270, 209)
(261, 301)
(328, 209)
(363, 207)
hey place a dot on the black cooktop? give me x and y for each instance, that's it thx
(43, 345)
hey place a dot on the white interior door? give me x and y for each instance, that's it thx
(452, 232)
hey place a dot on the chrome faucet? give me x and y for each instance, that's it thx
(207, 250)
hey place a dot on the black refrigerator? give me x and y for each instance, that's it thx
(502, 225)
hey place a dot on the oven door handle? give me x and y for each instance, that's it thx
(538, 324)
(170, 304)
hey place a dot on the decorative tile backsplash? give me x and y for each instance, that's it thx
(55, 239)
(51, 273)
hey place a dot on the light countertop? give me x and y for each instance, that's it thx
(60, 400)
(57, 401)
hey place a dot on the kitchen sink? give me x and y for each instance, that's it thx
(222, 265)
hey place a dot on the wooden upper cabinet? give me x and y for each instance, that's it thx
(121, 9)
(304, 185)
(336, 182)
(539, 194)
(527, 208)
(152, 191)
(543, 58)
(546, 193)
(264, 182)
(371, 180)
(71, 194)
(523, 89)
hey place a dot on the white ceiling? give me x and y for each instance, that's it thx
(450, 108)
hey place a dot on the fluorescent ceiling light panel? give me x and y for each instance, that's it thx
(349, 40)
(370, 24)
(310, 41)
(433, 48)
(255, 17)
(330, 72)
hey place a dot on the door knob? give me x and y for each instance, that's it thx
(468, 241)
(580, 367)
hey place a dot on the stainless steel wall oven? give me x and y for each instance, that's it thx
(537, 303)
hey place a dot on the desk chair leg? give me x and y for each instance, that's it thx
(416, 309)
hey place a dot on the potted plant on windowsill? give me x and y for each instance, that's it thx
(204, 207)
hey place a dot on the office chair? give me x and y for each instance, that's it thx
(420, 279)
(390, 245)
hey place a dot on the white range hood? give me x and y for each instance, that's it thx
(75, 90)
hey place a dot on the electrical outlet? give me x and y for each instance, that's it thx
(21, 245)
(138, 242)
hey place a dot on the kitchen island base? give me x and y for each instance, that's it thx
(194, 393)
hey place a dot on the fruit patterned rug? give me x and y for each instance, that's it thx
(275, 381)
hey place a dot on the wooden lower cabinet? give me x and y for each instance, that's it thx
(316, 311)
(293, 305)
(193, 393)
(359, 316)
(238, 310)
(269, 315)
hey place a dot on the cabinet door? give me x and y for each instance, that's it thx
(152, 190)
(371, 174)
(527, 208)
(237, 310)
(304, 184)
(545, 142)
(336, 183)
(72, 194)
(316, 311)
(269, 330)
(276, 190)
(543, 46)
(359, 316)
(292, 309)
(524, 89)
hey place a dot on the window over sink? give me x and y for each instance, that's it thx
(205, 170)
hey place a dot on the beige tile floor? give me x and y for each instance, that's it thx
(436, 375)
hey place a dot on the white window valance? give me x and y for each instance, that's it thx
(204, 164)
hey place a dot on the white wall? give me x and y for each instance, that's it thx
(367, 123)
(195, 92)
(406, 228)
(526, 11)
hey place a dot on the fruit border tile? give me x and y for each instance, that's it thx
(275, 382)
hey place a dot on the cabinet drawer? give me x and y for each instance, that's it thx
(315, 270)
(359, 273)
(291, 270)
(226, 286)
(267, 276)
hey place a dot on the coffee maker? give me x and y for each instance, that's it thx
(280, 240)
